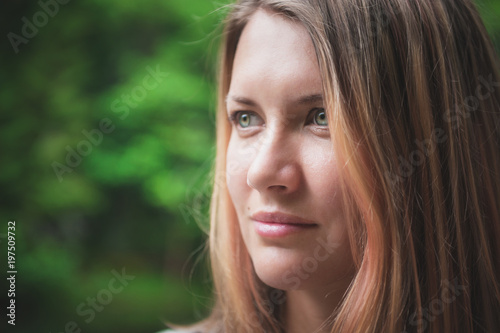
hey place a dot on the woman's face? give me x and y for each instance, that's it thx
(280, 159)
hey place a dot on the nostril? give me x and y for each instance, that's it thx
(279, 187)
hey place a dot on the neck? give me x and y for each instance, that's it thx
(310, 310)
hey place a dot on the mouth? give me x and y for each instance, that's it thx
(277, 224)
(275, 230)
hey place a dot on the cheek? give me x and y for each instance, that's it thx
(322, 173)
(237, 163)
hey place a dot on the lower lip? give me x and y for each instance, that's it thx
(275, 230)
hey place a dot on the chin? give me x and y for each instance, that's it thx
(282, 268)
(302, 269)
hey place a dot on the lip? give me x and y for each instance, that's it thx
(279, 217)
(277, 224)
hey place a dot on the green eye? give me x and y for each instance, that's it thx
(244, 119)
(320, 117)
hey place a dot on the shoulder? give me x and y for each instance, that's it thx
(180, 331)
(192, 329)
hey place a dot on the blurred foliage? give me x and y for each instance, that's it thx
(136, 195)
(121, 201)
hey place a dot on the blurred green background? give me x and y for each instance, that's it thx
(106, 144)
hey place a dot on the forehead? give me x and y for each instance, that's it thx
(276, 53)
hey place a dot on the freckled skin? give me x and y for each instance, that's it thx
(283, 161)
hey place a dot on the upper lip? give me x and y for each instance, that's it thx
(279, 217)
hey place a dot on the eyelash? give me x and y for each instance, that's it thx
(233, 116)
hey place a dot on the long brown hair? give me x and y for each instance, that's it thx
(412, 94)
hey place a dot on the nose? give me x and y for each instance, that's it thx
(276, 164)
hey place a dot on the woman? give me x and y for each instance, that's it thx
(357, 178)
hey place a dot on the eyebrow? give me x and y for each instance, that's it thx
(304, 100)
